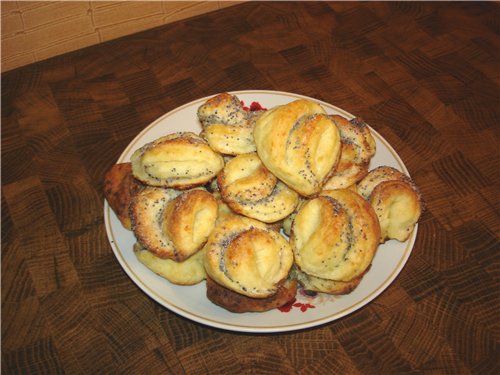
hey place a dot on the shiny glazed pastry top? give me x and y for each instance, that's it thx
(245, 256)
(335, 235)
(248, 188)
(395, 199)
(299, 144)
(180, 160)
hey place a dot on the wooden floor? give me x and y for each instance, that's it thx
(425, 75)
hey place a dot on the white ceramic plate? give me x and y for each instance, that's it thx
(191, 302)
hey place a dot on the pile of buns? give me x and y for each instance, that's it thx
(261, 203)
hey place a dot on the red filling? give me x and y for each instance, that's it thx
(255, 106)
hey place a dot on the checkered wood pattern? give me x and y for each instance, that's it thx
(425, 75)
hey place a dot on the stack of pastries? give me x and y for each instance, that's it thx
(261, 203)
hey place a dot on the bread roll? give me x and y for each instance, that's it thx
(358, 148)
(180, 160)
(188, 272)
(227, 127)
(223, 108)
(299, 144)
(119, 188)
(395, 199)
(239, 303)
(248, 187)
(247, 257)
(335, 235)
(189, 219)
(173, 224)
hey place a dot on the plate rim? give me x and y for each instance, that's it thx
(207, 321)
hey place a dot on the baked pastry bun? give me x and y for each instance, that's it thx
(119, 188)
(239, 303)
(223, 108)
(335, 235)
(299, 143)
(250, 189)
(395, 199)
(188, 272)
(245, 256)
(358, 148)
(173, 224)
(179, 160)
(227, 127)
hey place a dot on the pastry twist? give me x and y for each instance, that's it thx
(358, 148)
(227, 127)
(248, 188)
(395, 199)
(247, 257)
(179, 160)
(299, 144)
(335, 235)
(222, 109)
(173, 224)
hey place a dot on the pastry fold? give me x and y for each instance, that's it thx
(395, 199)
(299, 144)
(173, 224)
(245, 256)
(250, 189)
(227, 127)
(335, 235)
(317, 284)
(180, 160)
(357, 149)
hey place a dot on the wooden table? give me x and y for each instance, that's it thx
(424, 75)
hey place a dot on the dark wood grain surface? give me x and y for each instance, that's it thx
(424, 75)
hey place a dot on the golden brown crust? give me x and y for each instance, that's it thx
(227, 127)
(238, 303)
(152, 211)
(119, 188)
(358, 148)
(249, 189)
(398, 208)
(246, 256)
(180, 160)
(146, 213)
(299, 175)
(396, 200)
(299, 144)
(223, 108)
(189, 219)
(335, 235)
